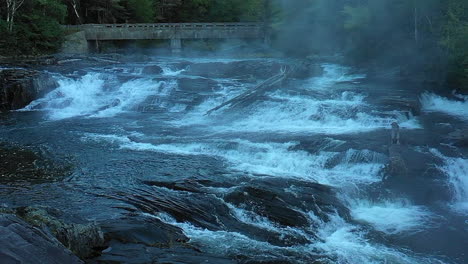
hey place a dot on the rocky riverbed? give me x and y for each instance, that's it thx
(115, 159)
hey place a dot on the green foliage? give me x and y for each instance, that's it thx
(212, 10)
(54, 9)
(142, 11)
(455, 40)
(37, 29)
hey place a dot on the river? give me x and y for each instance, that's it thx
(296, 176)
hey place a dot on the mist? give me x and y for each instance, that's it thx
(406, 36)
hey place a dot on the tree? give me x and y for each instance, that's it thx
(455, 41)
(142, 11)
(12, 8)
(75, 10)
(37, 28)
(104, 11)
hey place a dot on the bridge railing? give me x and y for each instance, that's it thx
(168, 25)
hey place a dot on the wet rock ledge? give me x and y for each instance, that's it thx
(24, 243)
(46, 235)
(19, 87)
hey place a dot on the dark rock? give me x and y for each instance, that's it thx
(236, 69)
(19, 87)
(23, 243)
(19, 165)
(306, 69)
(268, 198)
(397, 165)
(409, 104)
(183, 208)
(148, 231)
(185, 185)
(197, 84)
(182, 65)
(139, 253)
(153, 69)
(460, 137)
(268, 204)
(192, 204)
(84, 240)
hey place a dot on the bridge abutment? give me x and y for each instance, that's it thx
(176, 45)
(76, 43)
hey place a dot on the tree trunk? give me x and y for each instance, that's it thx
(12, 7)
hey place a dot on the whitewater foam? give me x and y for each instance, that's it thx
(282, 112)
(98, 95)
(433, 103)
(347, 243)
(332, 74)
(338, 240)
(275, 159)
(393, 217)
(342, 115)
(167, 71)
(456, 170)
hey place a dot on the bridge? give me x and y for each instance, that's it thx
(175, 32)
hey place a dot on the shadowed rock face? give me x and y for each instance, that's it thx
(19, 87)
(459, 137)
(153, 69)
(23, 243)
(83, 239)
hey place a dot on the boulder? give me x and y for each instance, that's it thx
(23, 243)
(396, 166)
(153, 69)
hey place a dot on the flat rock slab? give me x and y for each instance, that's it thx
(23, 243)
(141, 254)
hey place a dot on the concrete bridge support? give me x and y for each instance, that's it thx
(76, 43)
(176, 45)
(174, 32)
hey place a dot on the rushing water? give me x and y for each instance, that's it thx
(121, 127)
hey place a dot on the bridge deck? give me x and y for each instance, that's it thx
(171, 31)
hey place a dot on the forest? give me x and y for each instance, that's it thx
(432, 34)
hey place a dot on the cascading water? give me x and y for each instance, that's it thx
(136, 128)
(98, 95)
(456, 170)
(434, 103)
